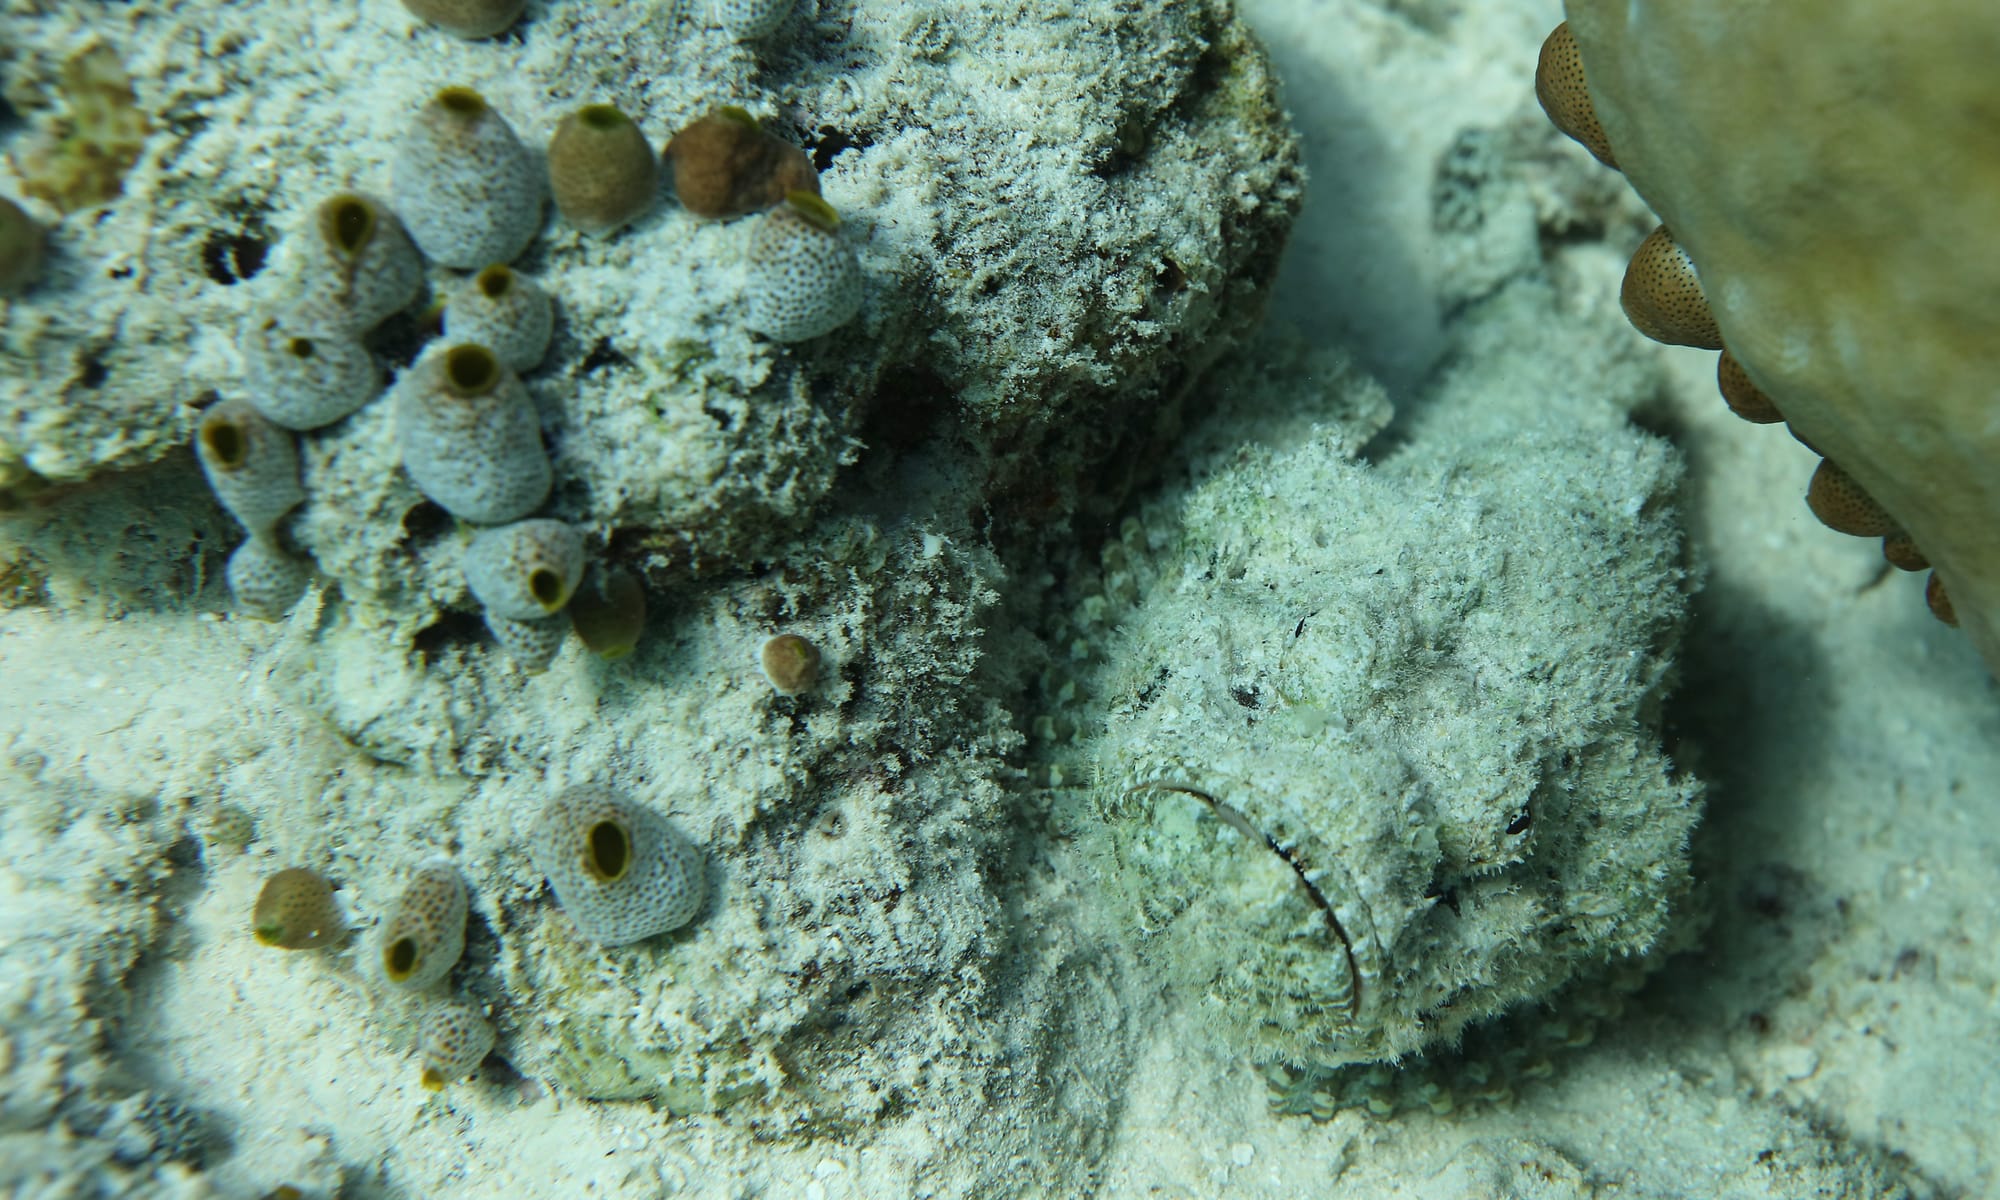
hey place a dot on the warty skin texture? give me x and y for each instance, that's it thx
(1831, 167)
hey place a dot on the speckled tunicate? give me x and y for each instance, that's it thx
(1320, 799)
(525, 571)
(533, 644)
(505, 311)
(748, 20)
(619, 870)
(470, 437)
(304, 372)
(803, 279)
(351, 263)
(468, 191)
(265, 579)
(425, 932)
(252, 465)
(454, 1037)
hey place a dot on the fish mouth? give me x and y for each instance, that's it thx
(1233, 817)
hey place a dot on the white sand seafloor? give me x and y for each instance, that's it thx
(1838, 1021)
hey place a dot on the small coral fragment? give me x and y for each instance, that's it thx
(251, 464)
(471, 439)
(791, 663)
(505, 311)
(304, 373)
(602, 171)
(609, 612)
(425, 934)
(1744, 398)
(804, 280)
(618, 869)
(532, 645)
(21, 242)
(296, 911)
(467, 189)
(748, 20)
(454, 1037)
(265, 579)
(1843, 505)
(1561, 87)
(525, 571)
(725, 164)
(1662, 295)
(467, 18)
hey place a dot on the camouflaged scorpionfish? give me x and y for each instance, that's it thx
(1381, 753)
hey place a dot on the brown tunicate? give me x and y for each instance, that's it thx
(296, 911)
(602, 172)
(791, 663)
(609, 612)
(725, 164)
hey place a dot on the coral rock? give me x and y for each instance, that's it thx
(1830, 170)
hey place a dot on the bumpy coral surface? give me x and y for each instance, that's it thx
(1831, 169)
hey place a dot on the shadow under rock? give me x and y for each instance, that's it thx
(1345, 277)
(1747, 718)
(151, 538)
